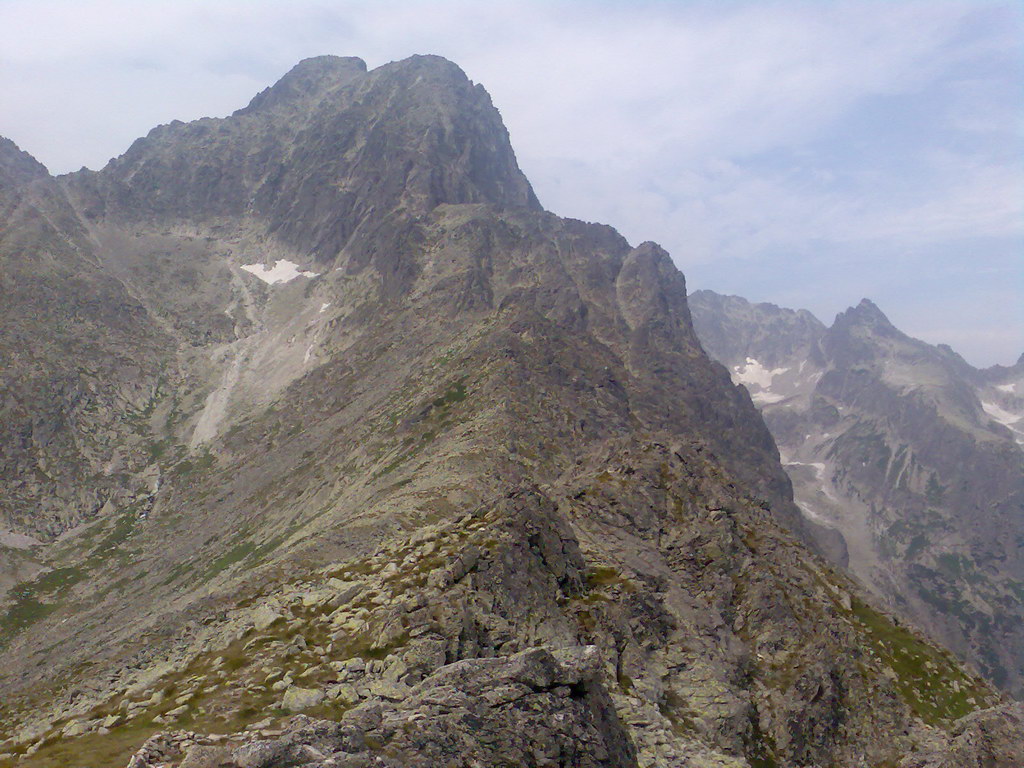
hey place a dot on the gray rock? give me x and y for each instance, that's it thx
(297, 699)
(207, 757)
(261, 754)
(264, 617)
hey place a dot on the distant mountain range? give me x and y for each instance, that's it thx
(914, 456)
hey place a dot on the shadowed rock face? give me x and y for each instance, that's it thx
(80, 354)
(908, 451)
(324, 159)
(461, 487)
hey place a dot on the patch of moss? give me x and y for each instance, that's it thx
(759, 746)
(58, 579)
(28, 608)
(916, 546)
(934, 491)
(368, 651)
(603, 577)
(674, 708)
(110, 545)
(259, 554)
(454, 394)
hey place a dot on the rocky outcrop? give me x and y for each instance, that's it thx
(532, 708)
(987, 739)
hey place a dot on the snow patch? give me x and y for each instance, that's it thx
(810, 513)
(1006, 387)
(755, 373)
(283, 271)
(1000, 414)
(767, 398)
(309, 354)
(324, 306)
(1007, 418)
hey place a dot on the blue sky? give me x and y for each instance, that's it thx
(804, 153)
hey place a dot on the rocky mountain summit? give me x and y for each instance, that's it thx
(340, 451)
(912, 454)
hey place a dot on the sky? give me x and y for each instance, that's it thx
(808, 154)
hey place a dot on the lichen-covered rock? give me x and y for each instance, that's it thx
(297, 699)
(265, 616)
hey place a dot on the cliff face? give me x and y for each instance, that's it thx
(81, 358)
(446, 472)
(324, 160)
(913, 455)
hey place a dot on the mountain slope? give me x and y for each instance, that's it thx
(81, 362)
(893, 442)
(454, 475)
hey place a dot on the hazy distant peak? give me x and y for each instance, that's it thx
(18, 166)
(738, 303)
(327, 64)
(426, 64)
(868, 310)
(310, 78)
(867, 316)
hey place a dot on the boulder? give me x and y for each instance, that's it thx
(297, 699)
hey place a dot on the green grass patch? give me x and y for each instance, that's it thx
(110, 545)
(234, 555)
(928, 681)
(28, 608)
(199, 463)
(114, 748)
(157, 449)
(58, 580)
(916, 546)
(364, 649)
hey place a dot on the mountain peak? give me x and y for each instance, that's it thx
(324, 156)
(865, 317)
(867, 313)
(309, 79)
(857, 333)
(17, 165)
